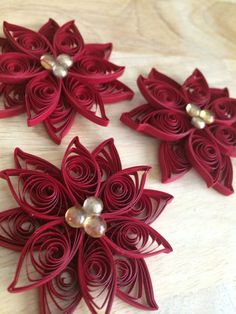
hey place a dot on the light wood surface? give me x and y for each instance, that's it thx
(175, 36)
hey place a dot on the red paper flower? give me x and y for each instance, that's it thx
(195, 123)
(51, 74)
(83, 231)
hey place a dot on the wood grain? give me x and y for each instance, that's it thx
(175, 37)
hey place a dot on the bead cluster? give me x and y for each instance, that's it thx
(59, 66)
(88, 217)
(199, 117)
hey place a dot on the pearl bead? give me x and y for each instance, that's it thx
(75, 217)
(93, 205)
(47, 61)
(207, 116)
(59, 71)
(198, 123)
(193, 110)
(65, 60)
(95, 226)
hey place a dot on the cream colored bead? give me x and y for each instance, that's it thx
(207, 116)
(193, 110)
(47, 61)
(65, 60)
(59, 71)
(95, 226)
(198, 123)
(75, 217)
(93, 205)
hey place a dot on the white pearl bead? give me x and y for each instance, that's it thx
(59, 71)
(65, 60)
(47, 61)
(95, 226)
(193, 110)
(75, 217)
(207, 116)
(198, 123)
(93, 205)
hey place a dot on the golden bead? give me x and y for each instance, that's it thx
(95, 226)
(93, 205)
(47, 61)
(198, 123)
(207, 116)
(193, 110)
(65, 60)
(59, 71)
(75, 217)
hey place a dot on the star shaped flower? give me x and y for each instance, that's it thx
(83, 230)
(195, 123)
(52, 74)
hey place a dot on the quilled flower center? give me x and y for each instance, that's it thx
(59, 65)
(88, 217)
(200, 118)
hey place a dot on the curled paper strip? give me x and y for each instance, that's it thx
(52, 74)
(195, 123)
(57, 231)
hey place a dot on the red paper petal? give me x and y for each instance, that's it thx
(150, 205)
(16, 227)
(224, 183)
(13, 100)
(42, 96)
(62, 294)
(218, 93)
(26, 40)
(108, 158)
(114, 91)
(204, 156)
(173, 160)
(196, 89)
(97, 275)
(17, 68)
(68, 40)
(133, 238)
(162, 92)
(224, 110)
(156, 75)
(95, 70)
(226, 138)
(80, 171)
(86, 100)
(102, 51)
(5, 46)
(46, 254)
(37, 193)
(123, 190)
(164, 124)
(27, 161)
(49, 29)
(134, 283)
(60, 121)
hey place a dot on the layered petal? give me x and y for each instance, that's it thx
(46, 254)
(16, 227)
(132, 238)
(122, 190)
(80, 170)
(218, 93)
(49, 29)
(97, 275)
(134, 283)
(86, 100)
(196, 89)
(26, 41)
(224, 110)
(173, 160)
(224, 183)
(225, 136)
(61, 294)
(102, 51)
(37, 193)
(42, 97)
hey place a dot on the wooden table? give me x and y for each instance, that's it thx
(175, 36)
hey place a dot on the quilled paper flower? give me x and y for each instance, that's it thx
(195, 123)
(52, 74)
(83, 230)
